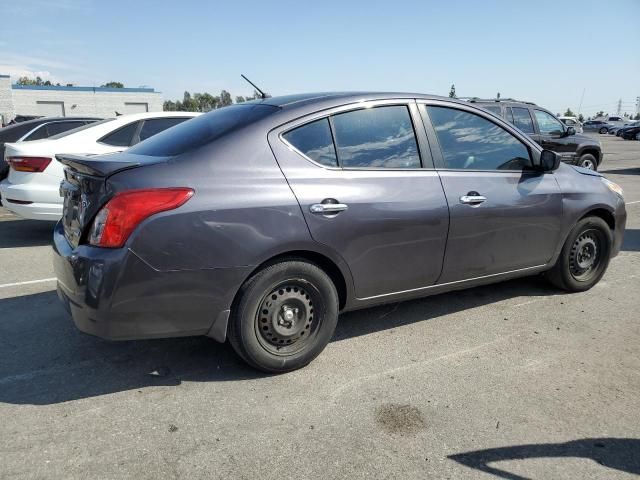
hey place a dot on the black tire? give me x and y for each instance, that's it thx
(588, 161)
(603, 130)
(258, 330)
(584, 257)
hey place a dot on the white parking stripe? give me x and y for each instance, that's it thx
(631, 203)
(17, 284)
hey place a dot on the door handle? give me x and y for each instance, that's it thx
(327, 208)
(473, 198)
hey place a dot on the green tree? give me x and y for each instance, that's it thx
(569, 113)
(498, 96)
(33, 81)
(189, 104)
(599, 114)
(452, 91)
(240, 99)
(113, 85)
(637, 116)
(225, 98)
(206, 101)
(581, 118)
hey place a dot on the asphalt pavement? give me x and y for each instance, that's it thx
(515, 380)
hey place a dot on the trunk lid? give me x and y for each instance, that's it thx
(85, 189)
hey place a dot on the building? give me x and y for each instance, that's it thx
(58, 101)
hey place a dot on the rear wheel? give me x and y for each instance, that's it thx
(284, 317)
(588, 161)
(603, 130)
(584, 257)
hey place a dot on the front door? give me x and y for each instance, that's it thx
(359, 178)
(553, 135)
(503, 215)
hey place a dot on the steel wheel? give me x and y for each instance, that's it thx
(284, 322)
(585, 255)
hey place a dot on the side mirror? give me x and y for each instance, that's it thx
(549, 161)
(571, 131)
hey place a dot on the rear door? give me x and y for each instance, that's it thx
(524, 121)
(368, 190)
(503, 216)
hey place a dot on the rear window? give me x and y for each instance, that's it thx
(79, 129)
(201, 130)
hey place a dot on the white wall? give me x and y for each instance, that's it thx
(82, 102)
(6, 100)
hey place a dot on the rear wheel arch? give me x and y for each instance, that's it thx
(326, 264)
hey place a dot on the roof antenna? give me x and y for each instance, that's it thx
(262, 94)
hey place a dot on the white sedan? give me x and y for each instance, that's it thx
(32, 188)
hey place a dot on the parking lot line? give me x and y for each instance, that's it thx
(29, 282)
(631, 203)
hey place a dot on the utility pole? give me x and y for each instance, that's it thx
(619, 107)
(638, 105)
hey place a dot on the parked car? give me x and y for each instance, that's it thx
(572, 122)
(628, 125)
(36, 130)
(545, 129)
(616, 121)
(631, 133)
(596, 126)
(260, 222)
(32, 188)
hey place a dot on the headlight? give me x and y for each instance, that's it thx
(614, 187)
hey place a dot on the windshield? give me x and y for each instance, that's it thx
(76, 130)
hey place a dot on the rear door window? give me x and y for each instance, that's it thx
(379, 137)
(471, 142)
(315, 141)
(123, 137)
(154, 126)
(522, 119)
(496, 109)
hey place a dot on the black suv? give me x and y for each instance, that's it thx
(549, 132)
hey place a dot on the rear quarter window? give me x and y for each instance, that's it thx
(202, 130)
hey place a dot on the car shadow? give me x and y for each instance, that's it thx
(18, 232)
(631, 241)
(45, 360)
(622, 454)
(622, 171)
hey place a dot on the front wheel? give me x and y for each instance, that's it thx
(588, 161)
(284, 316)
(584, 257)
(603, 130)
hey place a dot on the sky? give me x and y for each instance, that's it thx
(552, 52)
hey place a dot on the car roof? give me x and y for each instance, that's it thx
(297, 105)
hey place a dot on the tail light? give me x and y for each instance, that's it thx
(29, 164)
(123, 213)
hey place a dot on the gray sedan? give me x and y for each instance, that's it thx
(260, 222)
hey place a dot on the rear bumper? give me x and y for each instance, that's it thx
(46, 203)
(113, 294)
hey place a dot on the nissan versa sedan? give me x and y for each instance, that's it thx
(261, 222)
